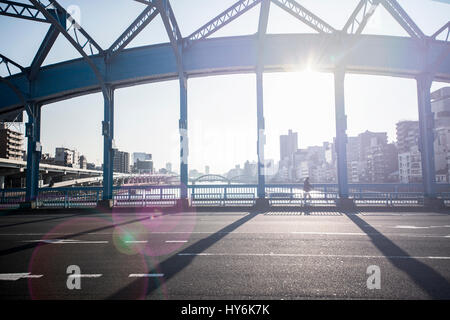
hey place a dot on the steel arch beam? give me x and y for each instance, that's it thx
(21, 10)
(304, 15)
(374, 55)
(224, 18)
(132, 31)
(360, 16)
(20, 95)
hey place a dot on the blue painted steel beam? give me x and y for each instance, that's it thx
(261, 192)
(43, 51)
(176, 41)
(132, 31)
(426, 130)
(34, 149)
(341, 135)
(173, 32)
(184, 142)
(304, 15)
(400, 15)
(373, 55)
(78, 37)
(445, 28)
(21, 10)
(224, 18)
(262, 29)
(360, 16)
(5, 60)
(108, 138)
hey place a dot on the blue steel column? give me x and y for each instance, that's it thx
(184, 144)
(341, 135)
(108, 137)
(261, 136)
(426, 140)
(33, 133)
(262, 30)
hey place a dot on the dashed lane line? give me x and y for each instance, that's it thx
(18, 276)
(66, 241)
(146, 275)
(312, 256)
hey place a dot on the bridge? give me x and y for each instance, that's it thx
(57, 176)
(338, 51)
(151, 236)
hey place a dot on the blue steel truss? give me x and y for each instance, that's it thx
(359, 18)
(195, 55)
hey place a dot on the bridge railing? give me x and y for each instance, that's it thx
(225, 194)
(69, 197)
(11, 198)
(145, 196)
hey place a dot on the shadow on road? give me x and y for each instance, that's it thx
(428, 279)
(69, 236)
(173, 265)
(41, 220)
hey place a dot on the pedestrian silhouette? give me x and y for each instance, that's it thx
(306, 189)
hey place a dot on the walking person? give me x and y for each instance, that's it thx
(306, 189)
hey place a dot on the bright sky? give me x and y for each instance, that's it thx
(222, 110)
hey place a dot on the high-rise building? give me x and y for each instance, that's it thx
(143, 167)
(121, 161)
(409, 157)
(366, 160)
(410, 165)
(67, 157)
(288, 145)
(11, 143)
(169, 167)
(381, 163)
(142, 163)
(83, 162)
(142, 156)
(440, 105)
(407, 135)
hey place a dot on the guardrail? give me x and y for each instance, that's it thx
(225, 195)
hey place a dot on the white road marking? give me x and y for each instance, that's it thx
(176, 241)
(331, 233)
(311, 255)
(59, 241)
(17, 276)
(66, 241)
(98, 275)
(146, 275)
(370, 234)
(414, 227)
(136, 241)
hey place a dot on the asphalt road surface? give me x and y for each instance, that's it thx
(228, 255)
